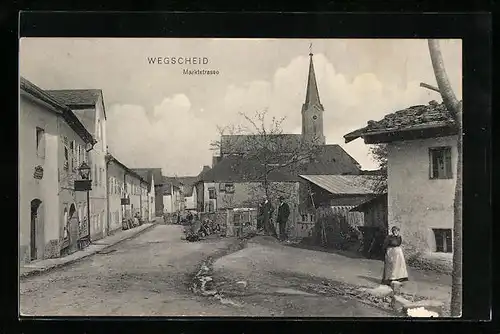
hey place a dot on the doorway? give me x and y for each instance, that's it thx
(35, 206)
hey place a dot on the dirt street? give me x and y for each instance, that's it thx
(150, 275)
(145, 276)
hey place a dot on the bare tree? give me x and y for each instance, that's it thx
(454, 106)
(261, 150)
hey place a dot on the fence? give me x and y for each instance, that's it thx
(329, 225)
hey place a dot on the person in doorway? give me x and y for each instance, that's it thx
(283, 214)
(394, 262)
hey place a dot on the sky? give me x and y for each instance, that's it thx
(159, 117)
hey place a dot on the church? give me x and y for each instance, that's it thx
(248, 167)
(328, 159)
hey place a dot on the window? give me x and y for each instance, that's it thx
(66, 158)
(72, 155)
(40, 142)
(211, 193)
(229, 188)
(444, 243)
(440, 163)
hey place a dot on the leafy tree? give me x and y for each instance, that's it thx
(378, 180)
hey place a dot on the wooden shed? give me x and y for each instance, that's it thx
(375, 225)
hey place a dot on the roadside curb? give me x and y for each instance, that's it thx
(127, 238)
(40, 271)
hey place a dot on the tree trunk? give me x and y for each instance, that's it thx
(455, 107)
(266, 182)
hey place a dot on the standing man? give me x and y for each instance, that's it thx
(283, 213)
(268, 209)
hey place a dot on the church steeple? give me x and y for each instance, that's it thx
(312, 109)
(312, 94)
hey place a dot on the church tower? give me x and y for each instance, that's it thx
(312, 110)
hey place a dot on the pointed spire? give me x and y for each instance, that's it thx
(312, 94)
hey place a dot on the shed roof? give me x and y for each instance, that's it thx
(342, 184)
(420, 117)
(363, 206)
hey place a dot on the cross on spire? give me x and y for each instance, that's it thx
(310, 49)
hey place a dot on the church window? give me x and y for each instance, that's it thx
(315, 117)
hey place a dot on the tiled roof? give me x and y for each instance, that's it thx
(236, 169)
(242, 143)
(76, 97)
(342, 184)
(433, 115)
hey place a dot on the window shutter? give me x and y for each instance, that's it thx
(439, 240)
(77, 156)
(447, 163)
(433, 163)
(72, 161)
(449, 241)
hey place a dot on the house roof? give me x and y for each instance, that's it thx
(166, 189)
(231, 144)
(149, 174)
(78, 98)
(237, 169)
(420, 117)
(111, 158)
(342, 184)
(188, 183)
(331, 159)
(171, 180)
(58, 107)
(365, 205)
